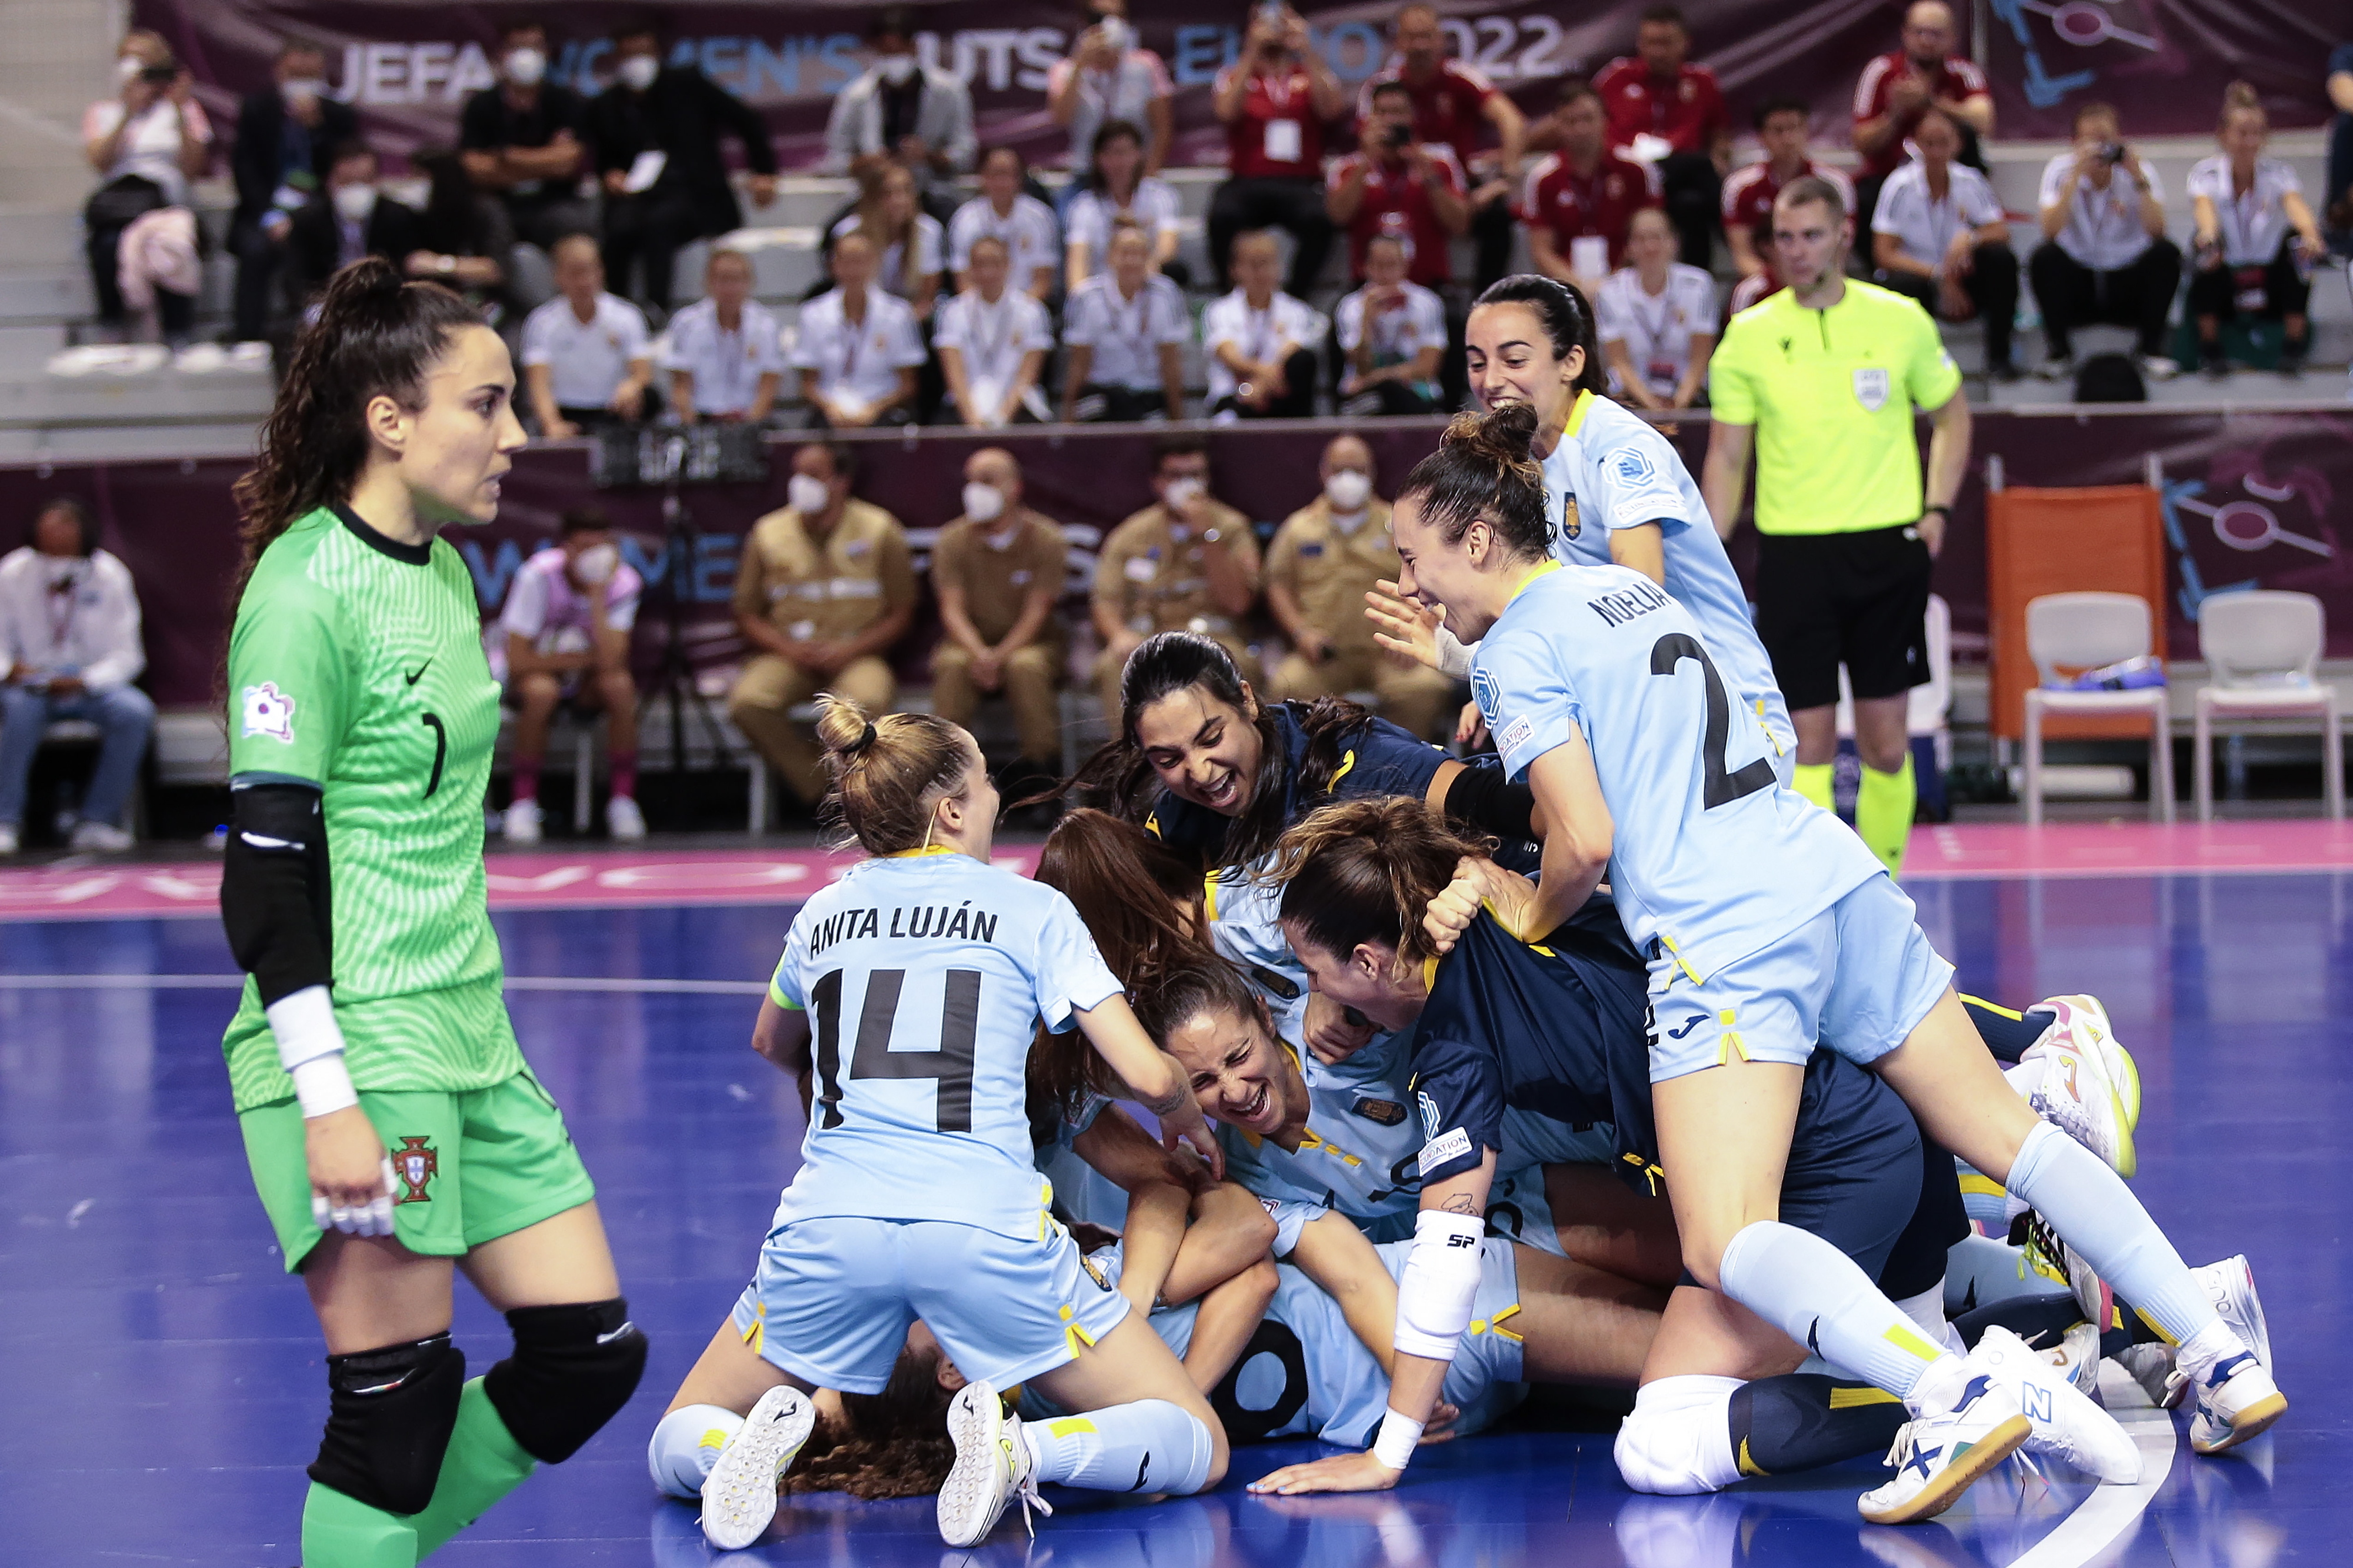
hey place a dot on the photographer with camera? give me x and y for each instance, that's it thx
(1274, 102)
(146, 142)
(1396, 185)
(2104, 256)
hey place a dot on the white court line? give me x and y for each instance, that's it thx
(2109, 1511)
(558, 983)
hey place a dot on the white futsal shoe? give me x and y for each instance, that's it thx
(2236, 1399)
(1936, 1455)
(2077, 1358)
(739, 1495)
(992, 1467)
(2231, 1286)
(2074, 1093)
(520, 822)
(2067, 1425)
(2085, 1022)
(623, 820)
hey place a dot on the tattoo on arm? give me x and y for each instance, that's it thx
(1460, 1204)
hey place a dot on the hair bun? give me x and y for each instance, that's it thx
(842, 727)
(1505, 436)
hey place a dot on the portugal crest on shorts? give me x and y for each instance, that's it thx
(1871, 388)
(416, 1163)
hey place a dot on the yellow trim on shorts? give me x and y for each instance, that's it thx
(1077, 1338)
(1992, 1007)
(1750, 1466)
(1495, 1323)
(1849, 1398)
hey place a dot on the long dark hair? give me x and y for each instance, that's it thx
(1203, 981)
(1568, 318)
(1111, 130)
(375, 335)
(1484, 468)
(1169, 662)
(893, 1444)
(1363, 871)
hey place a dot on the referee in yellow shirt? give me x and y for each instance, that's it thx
(1821, 379)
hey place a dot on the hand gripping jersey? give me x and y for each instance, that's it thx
(1304, 1374)
(1712, 857)
(1609, 470)
(924, 977)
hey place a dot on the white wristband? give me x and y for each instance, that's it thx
(323, 1087)
(1453, 655)
(1395, 1445)
(310, 1047)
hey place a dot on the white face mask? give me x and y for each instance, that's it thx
(128, 66)
(1347, 489)
(638, 72)
(355, 204)
(304, 87)
(896, 68)
(525, 67)
(982, 503)
(806, 496)
(596, 563)
(1182, 493)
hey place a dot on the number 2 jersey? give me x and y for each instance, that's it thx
(1711, 857)
(924, 977)
(356, 667)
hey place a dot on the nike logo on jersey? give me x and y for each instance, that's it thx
(421, 668)
(1694, 1022)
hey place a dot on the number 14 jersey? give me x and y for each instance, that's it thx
(1710, 855)
(924, 977)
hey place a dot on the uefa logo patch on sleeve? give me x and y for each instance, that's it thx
(1634, 467)
(269, 712)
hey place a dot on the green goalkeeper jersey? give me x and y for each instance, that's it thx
(357, 666)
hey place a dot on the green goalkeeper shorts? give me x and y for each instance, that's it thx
(467, 1168)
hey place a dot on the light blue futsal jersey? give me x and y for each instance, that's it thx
(1305, 1374)
(924, 978)
(1713, 858)
(1242, 918)
(1612, 469)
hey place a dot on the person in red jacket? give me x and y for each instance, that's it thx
(1583, 192)
(1454, 102)
(1274, 102)
(1660, 95)
(1897, 88)
(1397, 184)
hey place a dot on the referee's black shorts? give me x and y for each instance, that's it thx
(1860, 599)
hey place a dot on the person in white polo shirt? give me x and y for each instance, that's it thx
(1004, 212)
(1392, 334)
(1259, 341)
(858, 346)
(1123, 334)
(2256, 241)
(1657, 320)
(993, 340)
(1938, 234)
(566, 628)
(586, 357)
(725, 359)
(2104, 256)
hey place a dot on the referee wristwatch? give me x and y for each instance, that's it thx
(1944, 511)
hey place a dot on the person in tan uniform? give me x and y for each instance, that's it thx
(824, 588)
(998, 571)
(1326, 558)
(1187, 563)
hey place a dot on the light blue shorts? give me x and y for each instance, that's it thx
(1858, 978)
(833, 1298)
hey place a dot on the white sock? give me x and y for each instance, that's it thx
(2094, 1213)
(1815, 1294)
(686, 1444)
(1927, 1309)
(1148, 1446)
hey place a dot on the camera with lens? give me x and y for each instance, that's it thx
(1398, 135)
(2112, 152)
(159, 76)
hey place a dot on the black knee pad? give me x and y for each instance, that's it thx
(389, 1415)
(573, 1369)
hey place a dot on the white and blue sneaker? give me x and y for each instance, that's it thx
(1943, 1448)
(2066, 1425)
(2236, 1398)
(2085, 1022)
(739, 1495)
(2231, 1286)
(993, 1466)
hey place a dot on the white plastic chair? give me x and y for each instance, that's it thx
(2085, 631)
(2262, 648)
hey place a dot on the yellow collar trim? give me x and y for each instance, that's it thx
(1577, 412)
(1209, 897)
(1546, 570)
(918, 853)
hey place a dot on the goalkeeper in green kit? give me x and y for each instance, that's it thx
(394, 1131)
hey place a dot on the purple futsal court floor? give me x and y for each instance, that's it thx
(160, 1376)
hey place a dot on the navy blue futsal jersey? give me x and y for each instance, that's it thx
(1375, 758)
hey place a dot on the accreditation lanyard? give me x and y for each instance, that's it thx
(64, 595)
(2243, 213)
(989, 350)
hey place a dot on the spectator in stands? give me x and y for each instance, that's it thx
(1110, 78)
(903, 112)
(1392, 335)
(2256, 240)
(146, 142)
(826, 589)
(1187, 563)
(1326, 558)
(656, 133)
(286, 135)
(858, 346)
(992, 343)
(726, 357)
(465, 238)
(567, 622)
(69, 649)
(1749, 195)
(2104, 256)
(350, 219)
(1579, 202)
(1657, 321)
(1258, 341)
(1897, 88)
(1940, 236)
(909, 244)
(586, 356)
(1455, 103)
(1116, 188)
(2338, 206)
(1396, 184)
(1672, 114)
(997, 572)
(1003, 210)
(1124, 337)
(1274, 103)
(523, 141)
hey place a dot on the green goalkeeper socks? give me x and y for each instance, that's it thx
(482, 1464)
(340, 1532)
